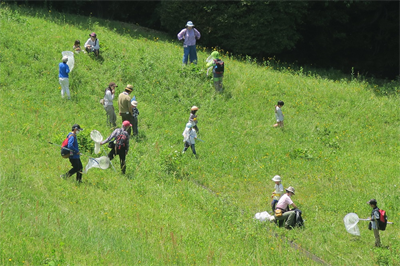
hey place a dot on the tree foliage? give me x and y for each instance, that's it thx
(341, 34)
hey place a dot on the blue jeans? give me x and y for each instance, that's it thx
(189, 51)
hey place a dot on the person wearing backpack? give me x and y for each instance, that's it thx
(74, 157)
(218, 70)
(109, 94)
(189, 35)
(374, 224)
(282, 212)
(119, 144)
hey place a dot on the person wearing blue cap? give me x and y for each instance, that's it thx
(189, 35)
(189, 136)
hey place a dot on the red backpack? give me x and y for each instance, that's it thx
(65, 153)
(382, 222)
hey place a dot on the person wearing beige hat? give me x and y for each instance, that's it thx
(276, 195)
(125, 107)
(282, 212)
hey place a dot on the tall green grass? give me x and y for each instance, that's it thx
(339, 148)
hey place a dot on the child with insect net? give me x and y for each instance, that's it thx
(374, 221)
(278, 192)
(189, 136)
(214, 61)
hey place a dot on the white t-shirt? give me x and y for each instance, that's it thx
(278, 114)
(108, 98)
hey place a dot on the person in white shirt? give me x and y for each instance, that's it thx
(279, 114)
(108, 104)
(189, 136)
(92, 44)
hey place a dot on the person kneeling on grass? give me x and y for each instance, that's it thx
(189, 136)
(282, 212)
(119, 144)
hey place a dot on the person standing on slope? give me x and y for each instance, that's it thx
(189, 35)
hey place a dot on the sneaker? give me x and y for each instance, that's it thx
(64, 176)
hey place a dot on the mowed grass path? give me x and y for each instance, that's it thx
(339, 148)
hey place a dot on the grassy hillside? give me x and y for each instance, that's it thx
(339, 148)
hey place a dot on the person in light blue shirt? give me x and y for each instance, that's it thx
(63, 78)
(189, 35)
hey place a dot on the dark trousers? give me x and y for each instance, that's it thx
(122, 155)
(76, 168)
(196, 128)
(129, 118)
(191, 146)
(273, 205)
(135, 125)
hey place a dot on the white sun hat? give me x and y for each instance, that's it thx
(277, 178)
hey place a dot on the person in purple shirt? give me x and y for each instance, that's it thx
(63, 77)
(189, 35)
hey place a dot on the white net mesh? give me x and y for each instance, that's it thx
(71, 60)
(350, 222)
(102, 163)
(97, 138)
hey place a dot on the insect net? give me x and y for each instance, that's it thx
(97, 138)
(102, 163)
(350, 222)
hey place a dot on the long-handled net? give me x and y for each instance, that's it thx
(350, 222)
(103, 163)
(71, 60)
(97, 138)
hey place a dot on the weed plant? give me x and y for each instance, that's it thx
(339, 148)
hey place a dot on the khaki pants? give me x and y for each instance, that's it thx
(289, 216)
(111, 116)
(377, 238)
